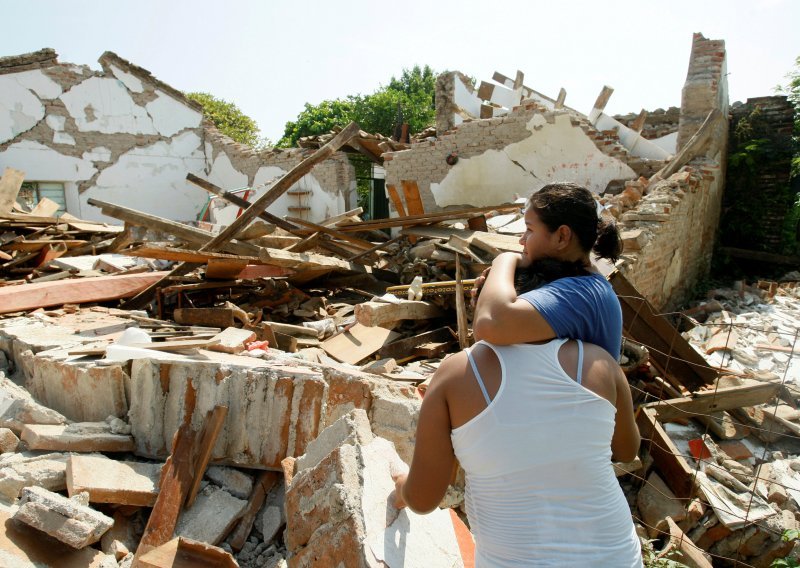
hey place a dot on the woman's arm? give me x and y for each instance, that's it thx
(500, 316)
(626, 439)
(423, 488)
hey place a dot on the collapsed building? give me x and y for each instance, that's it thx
(182, 422)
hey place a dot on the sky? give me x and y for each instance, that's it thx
(270, 57)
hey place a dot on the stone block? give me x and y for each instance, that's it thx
(235, 482)
(656, 502)
(8, 441)
(64, 519)
(77, 437)
(17, 408)
(19, 471)
(211, 517)
(338, 514)
(112, 481)
(83, 392)
(232, 340)
(352, 428)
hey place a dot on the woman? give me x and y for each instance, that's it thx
(535, 428)
(562, 224)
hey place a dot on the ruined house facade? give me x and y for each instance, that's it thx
(122, 136)
(504, 141)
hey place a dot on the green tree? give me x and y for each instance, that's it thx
(792, 92)
(412, 94)
(230, 120)
(317, 119)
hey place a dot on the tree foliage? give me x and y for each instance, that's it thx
(411, 94)
(229, 119)
(792, 92)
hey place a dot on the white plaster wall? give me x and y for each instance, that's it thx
(465, 99)
(41, 163)
(112, 106)
(555, 151)
(153, 179)
(224, 175)
(171, 116)
(632, 140)
(669, 142)
(132, 82)
(20, 108)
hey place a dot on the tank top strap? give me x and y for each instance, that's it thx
(478, 376)
(580, 362)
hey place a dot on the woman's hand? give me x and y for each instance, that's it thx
(399, 482)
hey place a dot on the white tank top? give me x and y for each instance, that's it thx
(540, 487)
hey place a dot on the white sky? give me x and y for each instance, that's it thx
(271, 57)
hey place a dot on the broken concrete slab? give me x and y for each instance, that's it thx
(17, 408)
(22, 546)
(235, 482)
(211, 517)
(83, 391)
(352, 428)
(19, 471)
(65, 519)
(339, 513)
(112, 481)
(656, 502)
(274, 411)
(77, 437)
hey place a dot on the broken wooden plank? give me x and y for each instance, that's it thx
(184, 232)
(208, 437)
(401, 348)
(212, 317)
(176, 478)
(461, 308)
(278, 189)
(674, 468)
(492, 243)
(74, 291)
(372, 314)
(274, 257)
(713, 401)
(413, 199)
(225, 268)
(396, 201)
(264, 483)
(45, 208)
(357, 343)
(360, 243)
(429, 217)
(182, 552)
(669, 351)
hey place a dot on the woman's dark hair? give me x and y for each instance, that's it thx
(566, 203)
(545, 270)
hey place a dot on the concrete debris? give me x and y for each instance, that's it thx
(318, 335)
(68, 520)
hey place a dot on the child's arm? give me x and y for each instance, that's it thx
(500, 316)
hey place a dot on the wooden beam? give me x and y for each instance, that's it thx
(372, 314)
(176, 477)
(184, 232)
(277, 190)
(669, 351)
(461, 308)
(395, 198)
(360, 243)
(492, 243)
(211, 429)
(264, 483)
(413, 199)
(212, 317)
(674, 468)
(74, 291)
(402, 347)
(693, 147)
(275, 257)
(429, 217)
(709, 402)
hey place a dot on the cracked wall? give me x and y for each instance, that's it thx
(121, 135)
(514, 155)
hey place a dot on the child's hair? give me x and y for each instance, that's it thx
(545, 270)
(567, 203)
